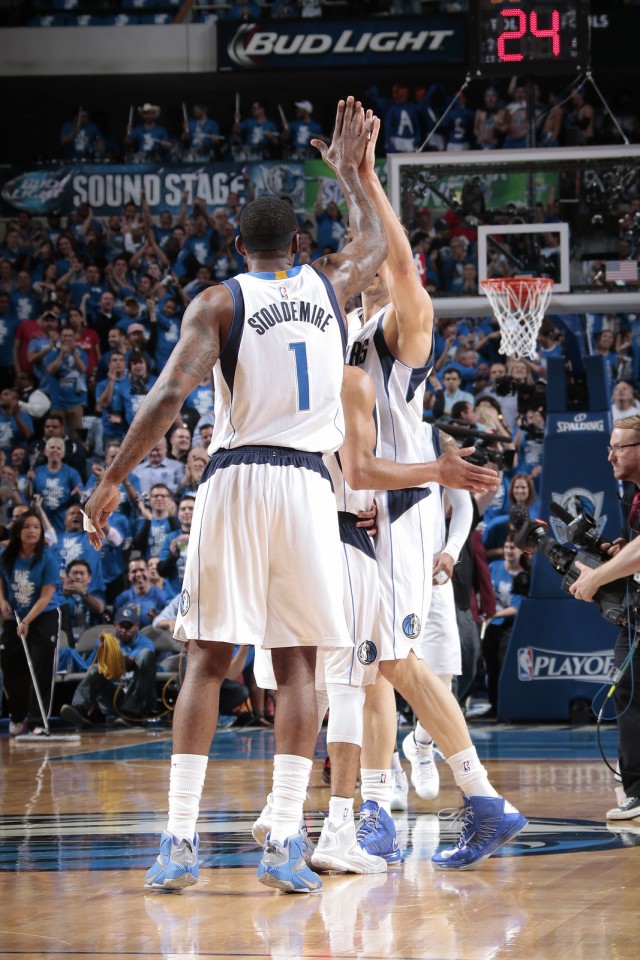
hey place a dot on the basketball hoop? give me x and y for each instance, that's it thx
(519, 305)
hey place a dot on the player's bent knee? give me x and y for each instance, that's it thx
(346, 705)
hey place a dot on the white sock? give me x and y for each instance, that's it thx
(470, 775)
(422, 737)
(396, 766)
(188, 771)
(340, 810)
(376, 785)
(290, 780)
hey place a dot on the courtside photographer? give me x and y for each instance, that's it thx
(624, 456)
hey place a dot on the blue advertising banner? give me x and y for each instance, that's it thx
(107, 187)
(309, 44)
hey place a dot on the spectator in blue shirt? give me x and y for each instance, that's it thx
(496, 638)
(66, 367)
(81, 139)
(73, 544)
(173, 553)
(136, 385)
(129, 489)
(298, 134)
(201, 136)
(330, 227)
(93, 700)
(157, 521)
(28, 577)
(80, 606)
(144, 597)
(452, 390)
(244, 10)
(13, 249)
(459, 125)
(109, 403)
(400, 117)
(16, 427)
(25, 303)
(157, 468)
(58, 484)
(202, 398)
(259, 134)
(8, 325)
(149, 140)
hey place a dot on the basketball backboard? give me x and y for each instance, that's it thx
(569, 213)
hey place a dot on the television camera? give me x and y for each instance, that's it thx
(486, 443)
(618, 601)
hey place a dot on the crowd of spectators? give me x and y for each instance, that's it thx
(89, 312)
(429, 118)
(124, 12)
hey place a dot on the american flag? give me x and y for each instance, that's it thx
(621, 269)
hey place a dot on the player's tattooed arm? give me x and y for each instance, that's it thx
(192, 359)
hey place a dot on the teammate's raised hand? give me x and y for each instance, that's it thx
(352, 132)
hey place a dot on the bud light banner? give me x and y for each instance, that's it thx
(309, 44)
(106, 188)
(38, 191)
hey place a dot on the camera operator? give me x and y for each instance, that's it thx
(624, 456)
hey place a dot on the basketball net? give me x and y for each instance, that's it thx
(519, 305)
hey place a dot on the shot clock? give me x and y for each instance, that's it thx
(529, 37)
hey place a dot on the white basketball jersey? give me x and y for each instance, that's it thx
(278, 379)
(399, 390)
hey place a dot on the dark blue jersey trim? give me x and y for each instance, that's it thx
(336, 308)
(355, 536)
(420, 374)
(437, 445)
(229, 353)
(399, 501)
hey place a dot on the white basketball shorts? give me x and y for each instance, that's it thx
(358, 664)
(440, 637)
(405, 557)
(263, 561)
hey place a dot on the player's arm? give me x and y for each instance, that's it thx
(353, 269)
(192, 359)
(408, 322)
(364, 471)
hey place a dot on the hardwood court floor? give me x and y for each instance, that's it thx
(81, 821)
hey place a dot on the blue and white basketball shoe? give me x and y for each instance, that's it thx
(489, 823)
(376, 832)
(176, 866)
(283, 867)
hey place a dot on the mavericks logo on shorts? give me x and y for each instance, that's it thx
(185, 602)
(367, 652)
(411, 626)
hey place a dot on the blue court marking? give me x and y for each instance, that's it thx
(493, 742)
(93, 842)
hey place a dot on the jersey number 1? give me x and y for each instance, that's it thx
(302, 373)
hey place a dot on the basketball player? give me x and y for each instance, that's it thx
(345, 673)
(395, 345)
(440, 637)
(279, 336)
